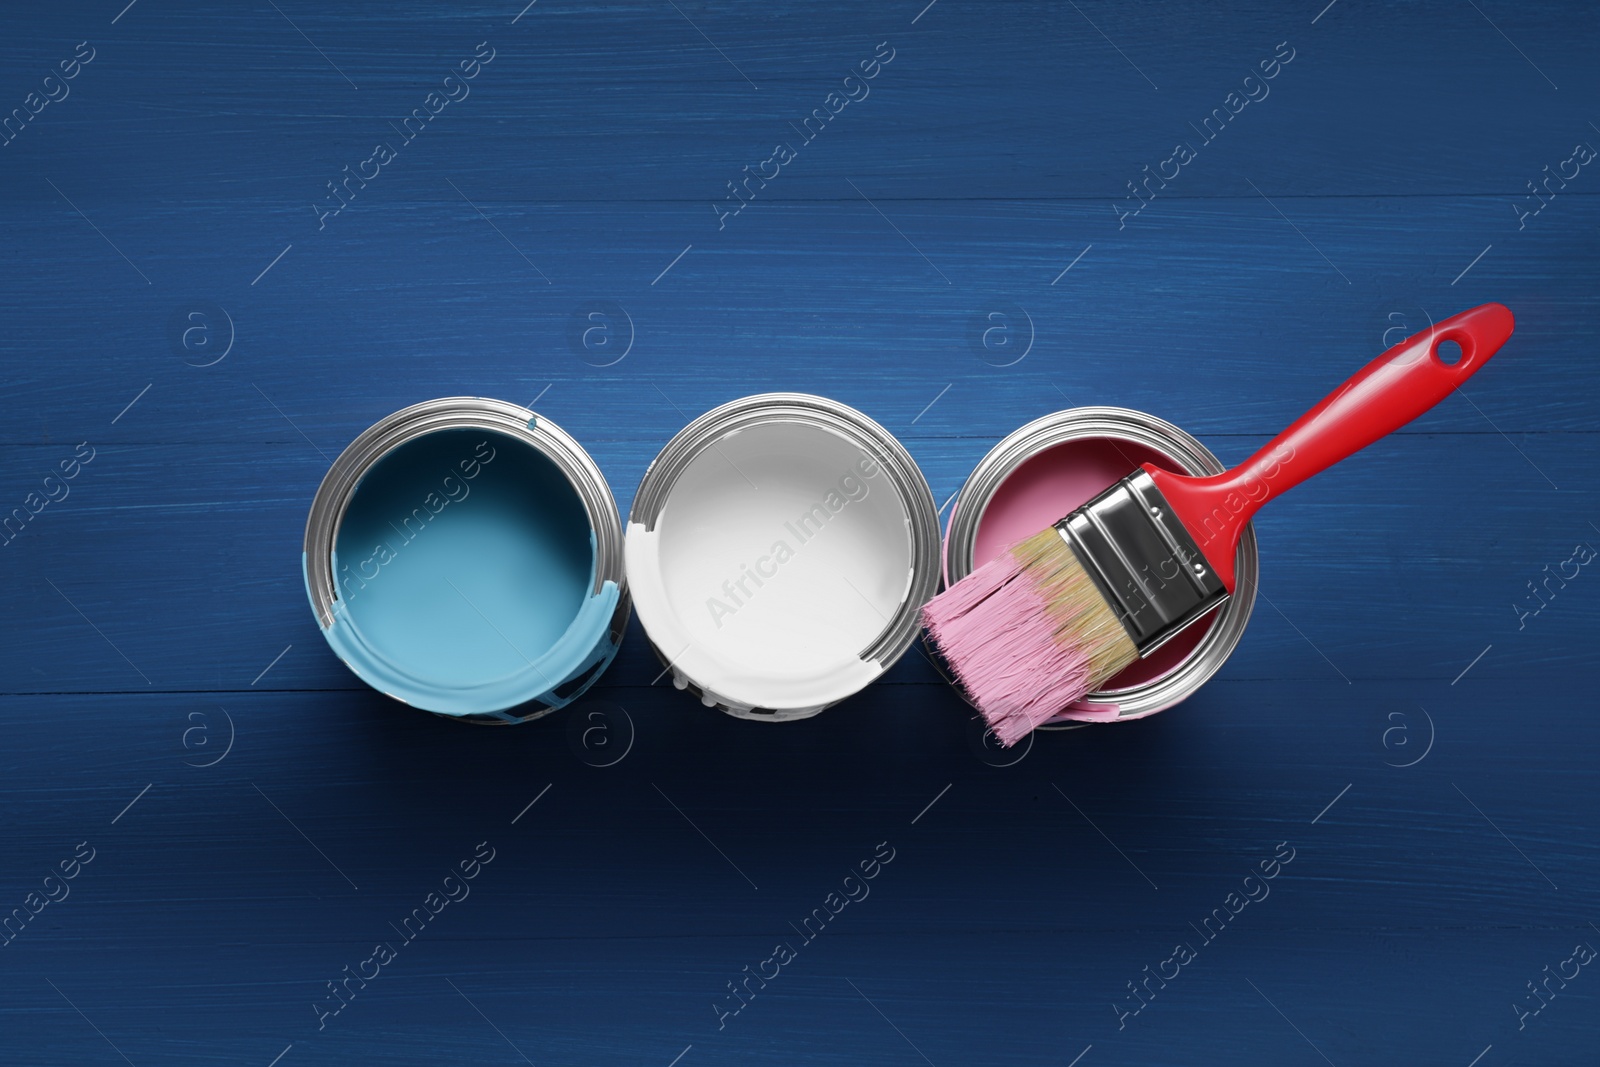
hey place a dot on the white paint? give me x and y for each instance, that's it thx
(780, 555)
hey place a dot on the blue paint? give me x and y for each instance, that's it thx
(465, 565)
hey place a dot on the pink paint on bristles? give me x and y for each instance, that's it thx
(1027, 634)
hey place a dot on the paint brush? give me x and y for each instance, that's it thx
(1060, 613)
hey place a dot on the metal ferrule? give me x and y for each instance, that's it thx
(1146, 565)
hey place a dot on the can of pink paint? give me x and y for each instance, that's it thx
(1052, 465)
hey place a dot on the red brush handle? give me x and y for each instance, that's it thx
(1383, 396)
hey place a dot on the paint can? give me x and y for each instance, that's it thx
(1052, 465)
(779, 551)
(464, 556)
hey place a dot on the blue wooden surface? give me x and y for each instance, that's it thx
(1430, 764)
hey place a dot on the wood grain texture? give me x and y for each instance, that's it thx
(260, 820)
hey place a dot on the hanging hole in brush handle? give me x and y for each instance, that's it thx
(1383, 396)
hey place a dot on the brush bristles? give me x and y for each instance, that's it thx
(1028, 634)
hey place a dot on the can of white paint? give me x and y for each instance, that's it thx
(778, 552)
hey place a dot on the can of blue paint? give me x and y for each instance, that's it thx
(1051, 466)
(464, 556)
(779, 550)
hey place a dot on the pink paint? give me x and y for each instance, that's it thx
(1049, 485)
(1013, 668)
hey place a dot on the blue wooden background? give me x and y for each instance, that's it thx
(946, 255)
